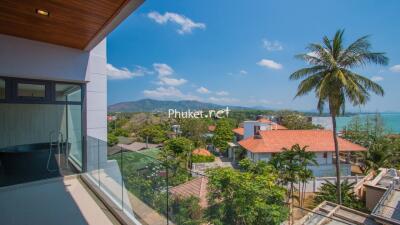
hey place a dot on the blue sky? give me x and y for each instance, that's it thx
(242, 52)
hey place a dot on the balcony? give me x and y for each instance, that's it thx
(62, 200)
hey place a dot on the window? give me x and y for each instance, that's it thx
(256, 130)
(30, 90)
(2, 89)
(68, 93)
(325, 155)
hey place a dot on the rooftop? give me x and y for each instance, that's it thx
(272, 141)
(201, 151)
(196, 188)
(329, 213)
(388, 207)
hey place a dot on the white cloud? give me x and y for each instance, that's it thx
(165, 73)
(163, 69)
(377, 78)
(124, 73)
(222, 93)
(243, 72)
(270, 64)
(171, 81)
(395, 68)
(168, 93)
(186, 24)
(223, 100)
(312, 54)
(272, 45)
(203, 90)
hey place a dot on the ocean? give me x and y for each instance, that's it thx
(390, 120)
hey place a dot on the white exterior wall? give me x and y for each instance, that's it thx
(325, 168)
(37, 60)
(249, 127)
(319, 156)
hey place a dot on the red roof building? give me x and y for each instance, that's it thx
(201, 151)
(272, 141)
(196, 188)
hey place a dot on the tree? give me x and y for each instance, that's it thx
(244, 198)
(223, 134)
(176, 155)
(298, 122)
(377, 156)
(153, 134)
(292, 166)
(327, 192)
(112, 139)
(332, 80)
(187, 211)
(194, 129)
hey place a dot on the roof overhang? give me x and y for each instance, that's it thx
(75, 24)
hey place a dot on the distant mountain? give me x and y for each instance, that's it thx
(151, 105)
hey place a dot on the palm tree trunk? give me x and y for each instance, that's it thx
(291, 220)
(335, 140)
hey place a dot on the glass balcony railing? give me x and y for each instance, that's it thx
(138, 183)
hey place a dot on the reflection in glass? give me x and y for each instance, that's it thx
(74, 132)
(68, 92)
(31, 90)
(2, 89)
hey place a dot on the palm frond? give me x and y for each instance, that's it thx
(305, 72)
(308, 84)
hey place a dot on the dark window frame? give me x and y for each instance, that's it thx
(11, 86)
(5, 89)
(66, 102)
(17, 98)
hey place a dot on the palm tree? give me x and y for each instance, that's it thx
(331, 78)
(377, 156)
(305, 174)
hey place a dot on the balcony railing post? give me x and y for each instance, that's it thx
(122, 180)
(98, 160)
(167, 182)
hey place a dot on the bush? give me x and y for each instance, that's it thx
(202, 158)
(112, 139)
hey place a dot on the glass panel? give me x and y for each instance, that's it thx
(74, 134)
(2, 89)
(31, 90)
(68, 92)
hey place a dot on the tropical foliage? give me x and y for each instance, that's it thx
(244, 198)
(202, 158)
(327, 192)
(370, 132)
(292, 166)
(333, 81)
(153, 133)
(194, 129)
(298, 122)
(187, 211)
(223, 134)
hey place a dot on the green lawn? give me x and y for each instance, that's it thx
(133, 161)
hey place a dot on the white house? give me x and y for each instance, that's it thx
(262, 144)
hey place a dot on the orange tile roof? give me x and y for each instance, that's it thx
(211, 128)
(272, 141)
(263, 120)
(201, 151)
(196, 187)
(239, 130)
